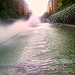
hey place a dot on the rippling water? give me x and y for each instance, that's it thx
(47, 49)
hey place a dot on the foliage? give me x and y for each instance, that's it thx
(9, 9)
(64, 3)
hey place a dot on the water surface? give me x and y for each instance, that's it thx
(48, 49)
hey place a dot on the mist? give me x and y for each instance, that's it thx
(19, 26)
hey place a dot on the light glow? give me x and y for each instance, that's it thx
(37, 6)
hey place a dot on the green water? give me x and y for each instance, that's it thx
(45, 50)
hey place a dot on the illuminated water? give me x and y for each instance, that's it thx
(45, 49)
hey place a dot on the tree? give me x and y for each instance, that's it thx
(9, 9)
(64, 3)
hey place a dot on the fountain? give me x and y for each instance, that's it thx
(67, 15)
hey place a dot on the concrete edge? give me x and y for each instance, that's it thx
(73, 26)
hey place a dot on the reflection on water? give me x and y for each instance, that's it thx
(45, 50)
